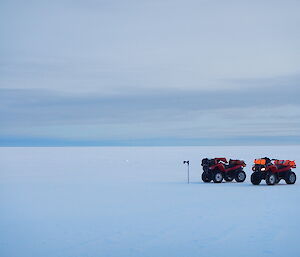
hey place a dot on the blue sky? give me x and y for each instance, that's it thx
(149, 72)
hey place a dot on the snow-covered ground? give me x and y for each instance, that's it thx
(125, 202)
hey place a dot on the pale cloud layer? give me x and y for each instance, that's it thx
(126, 70)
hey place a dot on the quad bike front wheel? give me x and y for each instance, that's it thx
(255, 178)
(240, 176)
(206, 177)
(271, 179)
(290, 177)
(218, 177)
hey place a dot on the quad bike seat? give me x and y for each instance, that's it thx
(217, 160)
(237, 162)
(233, 163)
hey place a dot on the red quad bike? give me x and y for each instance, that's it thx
(273, 170)
(218, 169)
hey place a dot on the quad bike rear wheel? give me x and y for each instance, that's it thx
(217, 177)
(271, 179)
(290, 177)
(255, 178)
(206, 177)
(240, 176)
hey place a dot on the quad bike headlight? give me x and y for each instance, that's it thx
(253, 168)
(263, 169)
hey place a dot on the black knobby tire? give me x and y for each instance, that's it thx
(206, 177)
(228, 179)
(240, 176)
(271, 179)
(290, 177)
(255, 178)
(217, 177)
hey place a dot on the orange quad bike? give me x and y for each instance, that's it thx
(217, 169)
(273, 170)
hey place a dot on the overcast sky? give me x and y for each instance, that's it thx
(159, 72)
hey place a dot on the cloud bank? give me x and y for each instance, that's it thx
(155, 73)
